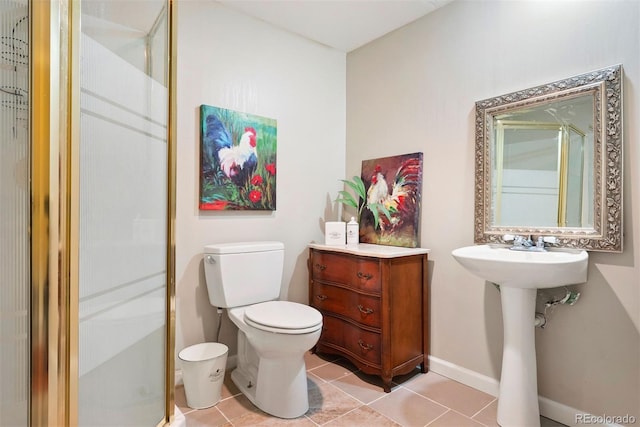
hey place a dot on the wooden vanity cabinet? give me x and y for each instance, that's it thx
(373, 300)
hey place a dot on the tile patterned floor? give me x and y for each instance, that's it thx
(342, 396)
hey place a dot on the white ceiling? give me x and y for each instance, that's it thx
(342, 24)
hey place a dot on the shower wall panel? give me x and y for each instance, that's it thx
(14, 214)
(122, 261)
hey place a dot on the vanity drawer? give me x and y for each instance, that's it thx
(355, 272)
(373, 302)
(362, 344)
(361, 308)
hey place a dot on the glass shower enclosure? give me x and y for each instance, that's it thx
(14, 214)
(123, 164)
(86, 208)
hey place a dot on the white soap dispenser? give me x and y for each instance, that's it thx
(353, 231)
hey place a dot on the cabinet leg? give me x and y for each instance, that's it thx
(386, 385)
(423, 367)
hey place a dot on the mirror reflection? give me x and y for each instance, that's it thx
(538, 165)
(549, 162)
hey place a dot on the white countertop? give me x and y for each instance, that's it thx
(368, 249)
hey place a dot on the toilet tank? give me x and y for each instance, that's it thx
(243, 273)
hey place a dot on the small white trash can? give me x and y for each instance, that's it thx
(203, 367)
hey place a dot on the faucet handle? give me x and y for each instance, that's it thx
(546, 239)
(524, 240)
(508, 237)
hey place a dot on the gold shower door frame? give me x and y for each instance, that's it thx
(54, 123)
(564, 132)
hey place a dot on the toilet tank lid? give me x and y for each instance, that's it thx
(243, 247)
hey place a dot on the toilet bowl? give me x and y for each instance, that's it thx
(271, 371)
(273, 335)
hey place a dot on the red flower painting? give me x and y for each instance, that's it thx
(255, 196)
(237, 160)
(256, 180)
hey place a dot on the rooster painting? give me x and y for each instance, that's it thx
(238, 155)
(237, 162)
(396, 205)
(389, 205)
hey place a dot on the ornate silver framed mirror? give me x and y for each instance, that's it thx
(548, 161)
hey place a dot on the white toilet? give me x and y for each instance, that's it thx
(273, 335)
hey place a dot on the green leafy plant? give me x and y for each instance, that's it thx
(359, 203)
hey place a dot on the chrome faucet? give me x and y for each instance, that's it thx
(524, 243)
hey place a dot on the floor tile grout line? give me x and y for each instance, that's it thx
(438, 417)
(316, 367)
(342, 415)
(471, 418)
(484, 407)
(360, 407)
(315, 376)
(312, 421)
(345, 392)
(224, 416)
(386, 394)
(427, 398)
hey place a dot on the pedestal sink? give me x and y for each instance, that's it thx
(520, 274)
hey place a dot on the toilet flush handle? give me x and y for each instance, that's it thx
(210, 259)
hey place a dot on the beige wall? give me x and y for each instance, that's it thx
(415, 89)
(229, 60)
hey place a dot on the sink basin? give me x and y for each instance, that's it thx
(520, 274)
(524, 269)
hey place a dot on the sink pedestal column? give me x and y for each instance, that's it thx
(518, 400)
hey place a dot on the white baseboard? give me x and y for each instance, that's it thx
(465, 376)
(548, 408)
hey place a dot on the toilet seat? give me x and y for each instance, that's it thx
(283, 317)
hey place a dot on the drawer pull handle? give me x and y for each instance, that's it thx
(321, 297)
(364, 310)
(366, 276)
(363, 345)
(321, 267)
